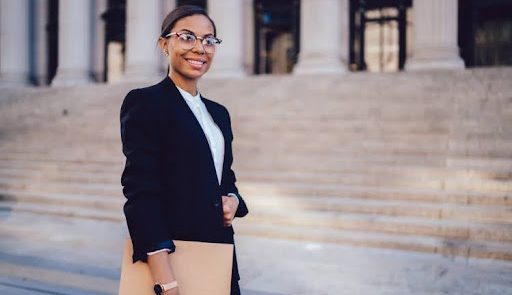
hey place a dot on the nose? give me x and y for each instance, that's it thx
(199, 47)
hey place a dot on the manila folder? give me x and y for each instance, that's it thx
(200, 269)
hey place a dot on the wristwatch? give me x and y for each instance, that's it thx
(161, 288)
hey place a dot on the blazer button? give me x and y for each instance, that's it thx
(216, 204)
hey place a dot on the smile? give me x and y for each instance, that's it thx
(195, 62)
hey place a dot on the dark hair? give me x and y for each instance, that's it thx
(181, 12)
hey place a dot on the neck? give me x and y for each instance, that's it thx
(189, 85)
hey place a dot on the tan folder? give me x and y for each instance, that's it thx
(200, 269)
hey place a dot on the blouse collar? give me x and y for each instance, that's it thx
(192, 98)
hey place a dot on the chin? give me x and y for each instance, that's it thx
(194, 76)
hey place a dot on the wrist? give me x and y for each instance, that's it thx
(160, 288)
(233, 195)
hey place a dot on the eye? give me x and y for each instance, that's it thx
(210, 41)
(187, 37)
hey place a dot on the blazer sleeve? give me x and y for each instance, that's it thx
(228, 175)
(141, 182)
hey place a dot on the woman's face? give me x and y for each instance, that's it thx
(189, 63)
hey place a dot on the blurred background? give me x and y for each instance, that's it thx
(373, 141)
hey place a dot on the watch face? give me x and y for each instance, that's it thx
(158, 289)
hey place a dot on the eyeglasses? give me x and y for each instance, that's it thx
(187, 41)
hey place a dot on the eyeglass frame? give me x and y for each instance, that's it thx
(197, 38)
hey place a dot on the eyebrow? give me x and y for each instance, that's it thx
(189, 31)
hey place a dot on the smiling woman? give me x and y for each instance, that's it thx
(178, 179)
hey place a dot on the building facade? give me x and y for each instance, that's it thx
(74, 42)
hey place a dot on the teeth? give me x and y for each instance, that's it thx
(195, 62)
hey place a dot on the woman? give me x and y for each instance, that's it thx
(178, 179)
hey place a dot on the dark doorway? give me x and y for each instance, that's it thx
(52, 35)
(379, 25)
(485, 32)
(115, 35)
(277, 35)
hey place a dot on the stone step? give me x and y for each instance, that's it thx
(290, 160)
(64, 211)
(375, 193)
(403, 225)
(453, 182)
(28, 280)
(381, 147)
(313, 163)
(317, 143)
(446, 247)
(261, 202)
(64, 187)
(424, 195)
(112, 203)
(107, 172)
(476, 213)
(350, 172)
(371, 128)
(305, 162)
(375, 141)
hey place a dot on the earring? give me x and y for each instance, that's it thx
(166, 52)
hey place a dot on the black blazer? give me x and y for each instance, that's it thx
(169, 178)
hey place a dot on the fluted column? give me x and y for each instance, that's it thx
(14, 42)
(74, 62)
(143, 21)
(323, 37)
(228, 17)
(435, 36)
(248, 33)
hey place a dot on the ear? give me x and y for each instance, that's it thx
(162, 43)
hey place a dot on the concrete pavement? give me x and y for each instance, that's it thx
(41, 254)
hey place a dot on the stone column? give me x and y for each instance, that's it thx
(324, 37)
(228, 17)
(74, 62)
(143, 19)
(435, 34)
(248, 39)
(98, 41)
(14, 42)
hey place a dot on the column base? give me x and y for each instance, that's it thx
(70, 77)
(434, 64)
(14, 80)
(309, 65)
(435, 59)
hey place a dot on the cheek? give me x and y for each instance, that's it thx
(175, 60)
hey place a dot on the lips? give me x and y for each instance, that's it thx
(196, 63)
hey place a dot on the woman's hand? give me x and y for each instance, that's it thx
(161, 270)
(229, 206)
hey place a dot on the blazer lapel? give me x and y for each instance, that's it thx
(216, 115)
(193, 124)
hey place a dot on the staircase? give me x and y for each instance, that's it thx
(416, 162)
